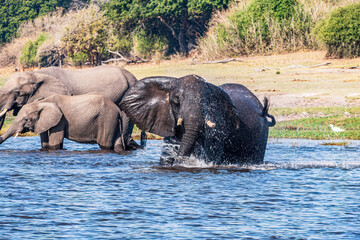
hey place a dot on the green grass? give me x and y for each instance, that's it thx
(318, 128)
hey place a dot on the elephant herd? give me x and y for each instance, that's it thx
(221, 125)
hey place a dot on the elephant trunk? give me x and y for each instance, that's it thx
(7, 134)
(188, 141)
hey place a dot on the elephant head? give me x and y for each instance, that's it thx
(34, 117)
(25, 87)
(188, 108)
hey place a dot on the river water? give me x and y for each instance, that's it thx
(304, 191)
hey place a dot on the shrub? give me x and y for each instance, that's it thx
(341, 32)
(147, 45)
(87, 32)
(29, 51)
(260, 27)
(49, 53)
(77, 59)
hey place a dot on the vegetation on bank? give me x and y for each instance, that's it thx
(341, 32)
(14, 13)
(308, 125)
(259, 27)
(95, 31)
(124, 29)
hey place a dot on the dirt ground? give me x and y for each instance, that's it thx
(303, 79)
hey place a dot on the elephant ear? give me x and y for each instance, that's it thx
(49, 116)
(147, 104)
(50, 85)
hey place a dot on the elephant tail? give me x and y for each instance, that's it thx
(121, 132)
(265, 112)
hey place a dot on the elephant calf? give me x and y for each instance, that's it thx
(88, 118)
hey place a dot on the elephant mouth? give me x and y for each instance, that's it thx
(27, 129)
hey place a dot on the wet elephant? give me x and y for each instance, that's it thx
(209, 122)
(25, 87)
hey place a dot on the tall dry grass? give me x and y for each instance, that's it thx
(224, 39)
(318, 9)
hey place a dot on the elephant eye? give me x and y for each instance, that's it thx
(176, 99)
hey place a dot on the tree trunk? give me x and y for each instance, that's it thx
(181, 36)
(183, 48)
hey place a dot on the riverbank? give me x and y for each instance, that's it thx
(307, 92)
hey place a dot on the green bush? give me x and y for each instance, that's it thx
(29, 51)
(146, 45)
(261, 27)
(77, 59)
(341, 32)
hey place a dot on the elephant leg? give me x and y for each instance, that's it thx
(127, 131)
(119, 146)
(107, 136)
(106, 148)
(44, 137)
(56, 136)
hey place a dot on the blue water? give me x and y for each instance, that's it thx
(304, 191)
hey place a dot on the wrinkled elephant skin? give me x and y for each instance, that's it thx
(200, 119)
(88, 118)
(26, 87)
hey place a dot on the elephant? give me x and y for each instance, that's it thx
(220, 125)
(25, 87)
(87, 118)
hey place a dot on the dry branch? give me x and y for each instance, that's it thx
(135, 59)
(218, 61)
(292, 67)
(319, 65)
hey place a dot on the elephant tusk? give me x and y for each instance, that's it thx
(210, 124)
(179, 122)
(16, 135)
(3, 112)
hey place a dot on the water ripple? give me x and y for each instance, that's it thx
(303, 191)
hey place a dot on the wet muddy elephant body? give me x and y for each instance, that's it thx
(221, 125)
(88, 118)
(25, 87)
